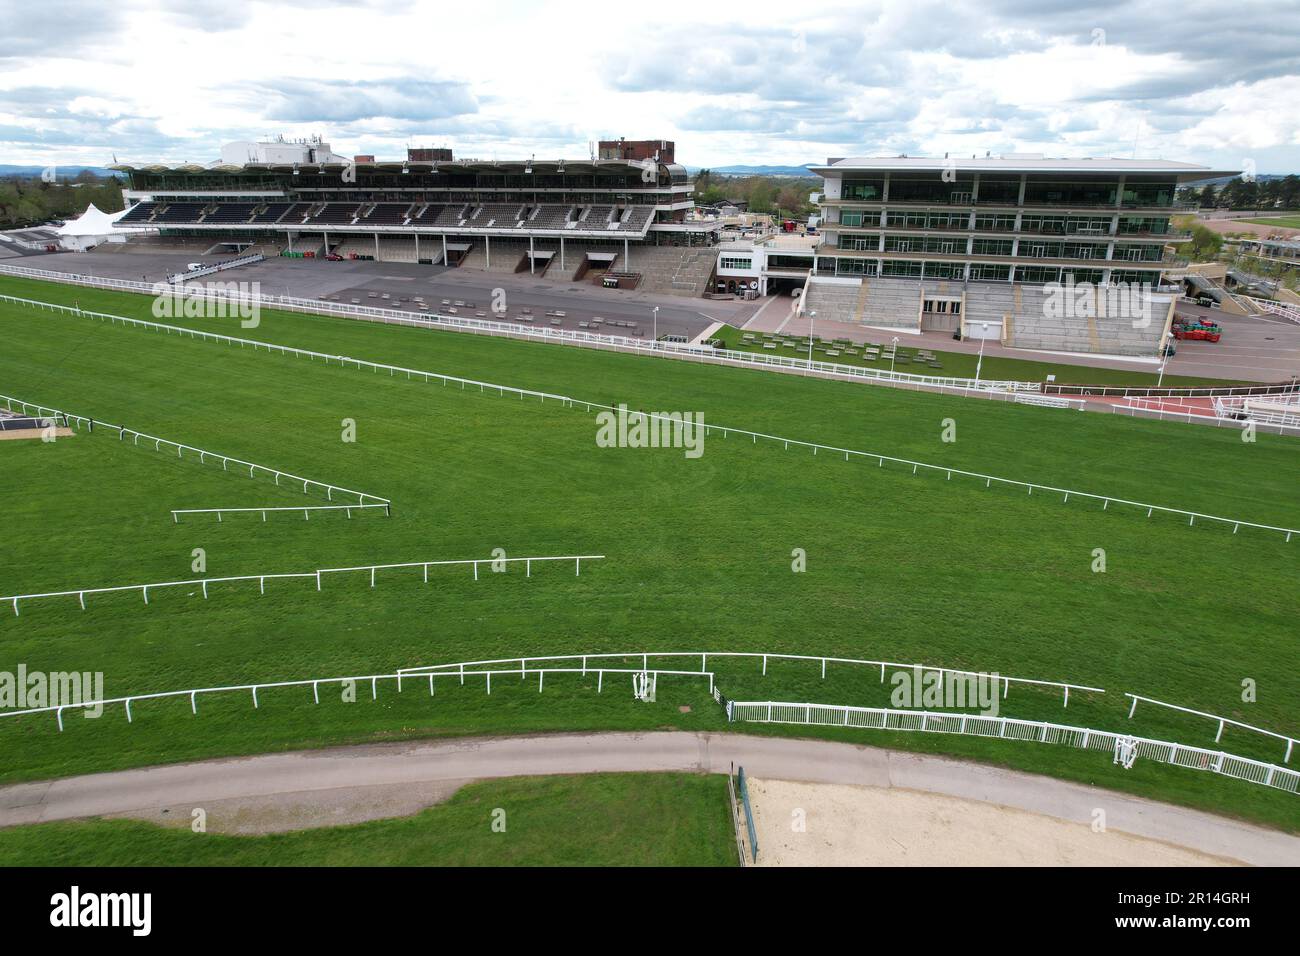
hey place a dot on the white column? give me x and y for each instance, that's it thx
(627, 263)
(444, 249)
(376, 247)
(561, 253)
(488, 240)
(531, 270)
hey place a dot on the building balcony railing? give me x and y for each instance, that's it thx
(874, 229)
(979, 204)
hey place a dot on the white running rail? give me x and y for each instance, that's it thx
(203, 453)
(315, 684)
(647, 656)
(393, 370)
(144, 589)
(1290, 741)
(587, 339)
(305, 510)
(1008, 728)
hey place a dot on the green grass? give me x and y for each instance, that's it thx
(959, 364)
(1286, 222)
(632, 819)
(899, 567)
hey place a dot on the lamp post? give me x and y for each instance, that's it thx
(655, 312)
(984, 334)
(811, 315)
(892, 354)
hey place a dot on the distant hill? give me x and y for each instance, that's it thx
(755, 170)
(63, 172)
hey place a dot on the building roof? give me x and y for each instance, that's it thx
(1183, 172)
(549, 166)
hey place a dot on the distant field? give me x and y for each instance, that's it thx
(1286, 222)
(635, 819)
(699, 550)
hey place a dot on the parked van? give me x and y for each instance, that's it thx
(194, 266)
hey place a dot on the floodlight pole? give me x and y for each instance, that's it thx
(655, 311)
(812, 314)
(984, 328)
(892, 354)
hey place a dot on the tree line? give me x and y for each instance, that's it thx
(786, 195)
(1281, 193)
(29, 201)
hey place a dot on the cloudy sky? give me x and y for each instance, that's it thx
(738, 83)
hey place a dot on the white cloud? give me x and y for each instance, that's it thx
(153, 80)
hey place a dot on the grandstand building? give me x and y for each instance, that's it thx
(525, 214)
(1007, 219)
(981, 247)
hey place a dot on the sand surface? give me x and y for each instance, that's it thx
(871, 826)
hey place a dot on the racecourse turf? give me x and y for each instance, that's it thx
(699, 551)
(627, 819)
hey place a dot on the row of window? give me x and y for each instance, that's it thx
(980, 271)
(1028, 249)
(961, 189)
(990, 222)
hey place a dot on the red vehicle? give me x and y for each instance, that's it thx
(334, 257)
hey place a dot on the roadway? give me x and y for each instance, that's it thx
(428, 771)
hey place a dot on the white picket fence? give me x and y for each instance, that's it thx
(596, 340)
(725, 431)
(704, 656)
(261, 579)
(316, 682)
(1222, 721)
(1008, 728)
(305, 510)
(226, 461)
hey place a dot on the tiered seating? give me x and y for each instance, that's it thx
(636, 219)
(334, 214)
(497, 216)
(446, 216)
(179, 212)
(140, 212)
(387, 214)
(1030, 327)
(672, 270)
(870, 301)
(231, 212)
(295, 214)
(272, 212)
(549, 217)
(832, 301)
(595, 217)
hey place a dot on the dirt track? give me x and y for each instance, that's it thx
(869, 826)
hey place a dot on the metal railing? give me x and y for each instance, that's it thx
(203, 453)
(572, 337)
(1222, 721)
(393, 370)
(144, 589)
(647, 656)
(1008, 728)
(305, 510)
(316, 682)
